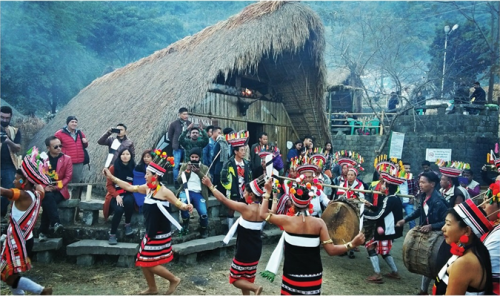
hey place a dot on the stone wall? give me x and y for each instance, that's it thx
(469, 136)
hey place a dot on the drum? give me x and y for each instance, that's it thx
(342, 221)
(422, 252)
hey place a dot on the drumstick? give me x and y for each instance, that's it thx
(351, 189)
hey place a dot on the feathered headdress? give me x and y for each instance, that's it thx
(452, 168)
(351, 158)
(238, 139)
(35, 166)
(493, 192)
(493, 159)
(306, 164)
(318, 158)
(160, 163)
(388, 169)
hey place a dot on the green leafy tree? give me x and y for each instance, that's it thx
(466, 58)
(43, 64)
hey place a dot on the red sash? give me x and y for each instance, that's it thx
(14, 254)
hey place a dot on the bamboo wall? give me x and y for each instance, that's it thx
(225, 111)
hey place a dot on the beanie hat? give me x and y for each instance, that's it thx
(195, 150)
(71, 118)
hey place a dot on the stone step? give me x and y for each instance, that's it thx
(101, 247)
(48, 245)
(188, 251)
(87, 250)
(91, 205)
(46, 251)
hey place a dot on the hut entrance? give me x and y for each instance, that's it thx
(254, 129)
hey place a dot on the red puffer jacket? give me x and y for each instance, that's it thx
(72, 148)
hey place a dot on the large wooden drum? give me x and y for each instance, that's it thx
(342, 220)
(425, 253)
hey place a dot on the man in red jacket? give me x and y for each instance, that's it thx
(73, 142)
(60, 173)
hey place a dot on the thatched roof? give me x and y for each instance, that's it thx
(285, 38)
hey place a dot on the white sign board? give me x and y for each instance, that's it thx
(396, 145)
(433, 154)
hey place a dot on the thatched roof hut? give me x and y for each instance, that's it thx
(274, 46)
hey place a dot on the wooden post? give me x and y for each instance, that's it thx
(89, 193)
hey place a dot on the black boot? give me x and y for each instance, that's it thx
(203, 232)
(185, 227)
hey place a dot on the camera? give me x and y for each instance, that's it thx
(3, 136)
(196, 164)
(115, 130)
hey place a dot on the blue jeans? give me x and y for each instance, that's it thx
(177, 160)
(408, 210)
(8, 175)
(199, 203)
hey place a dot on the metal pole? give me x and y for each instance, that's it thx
(444, 64)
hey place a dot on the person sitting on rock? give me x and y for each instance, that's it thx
(193, 172)
(118, 200)
(60, 173)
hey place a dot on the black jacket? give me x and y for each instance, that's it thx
(486, 178)
(437, 211)
(480, 96)
(386, 216)
(229, 177)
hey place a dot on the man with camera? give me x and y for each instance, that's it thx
(193, 172)
(121, 135)
(10, 146)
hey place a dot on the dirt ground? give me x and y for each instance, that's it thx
(341, 276)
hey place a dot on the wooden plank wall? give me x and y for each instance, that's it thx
(272, 115)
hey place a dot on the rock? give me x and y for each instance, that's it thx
(85, 260)
(101, 247)
(51, 244)
(45, 257)
(69, 203)
(92, 205)
(90, 217)
(126, 261)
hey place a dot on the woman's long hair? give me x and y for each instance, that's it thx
(482, 254)
(141, 166)
(122, 171)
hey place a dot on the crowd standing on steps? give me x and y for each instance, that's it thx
(252, 179)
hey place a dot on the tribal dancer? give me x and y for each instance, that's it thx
(27, 196)
(491, 240)
(390, 211)
(468, 271)
(451, 190)
(156, 248)
(249, 241)
(302, 236)
(353, 162)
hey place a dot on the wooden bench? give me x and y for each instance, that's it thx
(90, 209)
(67, 211)
(46, 250)
(188, 251)
(86, 250)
